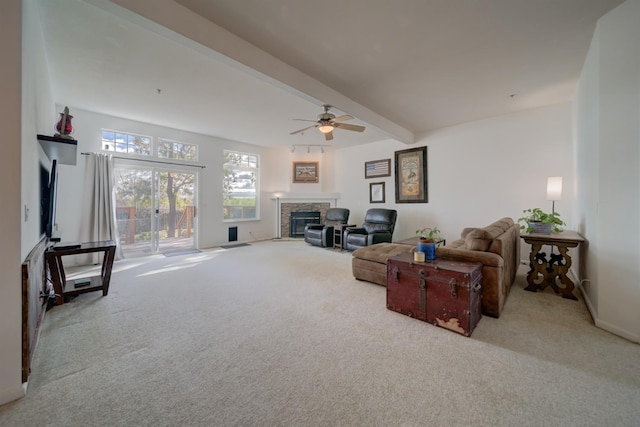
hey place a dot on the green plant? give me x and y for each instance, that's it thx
(429, 233)
(538, 215)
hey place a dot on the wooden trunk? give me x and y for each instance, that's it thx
(442, 292)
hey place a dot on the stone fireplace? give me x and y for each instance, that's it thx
(286, 209)
(299, 220)
(301, 202)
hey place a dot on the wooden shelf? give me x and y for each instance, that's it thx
(63, 150)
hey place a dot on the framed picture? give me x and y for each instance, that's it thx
(376, 192)
(377, 168)
(411, 175)
(305, 172)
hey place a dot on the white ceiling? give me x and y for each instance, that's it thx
(401, 68)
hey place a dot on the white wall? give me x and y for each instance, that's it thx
(608, 174)
(478, 172)
(26, 109)
(38, 117)
(10, 216)
(212, 231)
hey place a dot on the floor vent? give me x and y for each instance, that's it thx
(233, 234)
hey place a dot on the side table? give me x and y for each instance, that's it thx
(66, 288)
(548, 272)
(338, 233)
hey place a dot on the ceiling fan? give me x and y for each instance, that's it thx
(327, 122)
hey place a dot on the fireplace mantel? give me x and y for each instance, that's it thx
(284, 196)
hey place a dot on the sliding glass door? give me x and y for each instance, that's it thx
(156, 209)
(175, 212)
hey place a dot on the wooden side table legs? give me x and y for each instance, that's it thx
(551, 272)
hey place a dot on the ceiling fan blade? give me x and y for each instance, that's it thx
(349, 127)
(302, 130)
(328, 136)
(343, 118)
(305, 120)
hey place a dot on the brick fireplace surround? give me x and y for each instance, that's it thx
(302, 202)
(287, 208)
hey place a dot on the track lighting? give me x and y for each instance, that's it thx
(293, 147)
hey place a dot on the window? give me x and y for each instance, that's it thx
(126, 143)
(239, 187)
(177, 150)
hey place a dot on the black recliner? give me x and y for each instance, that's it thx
(322, 234)
(378, 227)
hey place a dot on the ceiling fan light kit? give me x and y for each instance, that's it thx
(325, 128)
(327, 122)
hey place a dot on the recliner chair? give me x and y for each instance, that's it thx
(322, 234)
(378, 227)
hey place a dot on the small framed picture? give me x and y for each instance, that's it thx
(305, 172)
(377, 168)
(376, 192)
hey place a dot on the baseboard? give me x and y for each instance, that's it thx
(9, 395)
(617, 331)
(587, 300)
(601, 323)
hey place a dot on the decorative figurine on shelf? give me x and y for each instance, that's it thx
(64, 125)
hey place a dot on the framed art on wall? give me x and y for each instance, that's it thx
(377, 168)
(305, 172)
(411, 175)
(376, 192)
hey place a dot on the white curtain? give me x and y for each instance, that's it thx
(99, 211)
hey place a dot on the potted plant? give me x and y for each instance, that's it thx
(536, 220)
(427, 242)
(429, 234)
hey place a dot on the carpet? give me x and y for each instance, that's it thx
(276, 334)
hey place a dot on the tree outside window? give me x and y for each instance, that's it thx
(239, 186)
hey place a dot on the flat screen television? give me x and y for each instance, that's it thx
(48, 187)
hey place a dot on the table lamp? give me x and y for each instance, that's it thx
(554, 190)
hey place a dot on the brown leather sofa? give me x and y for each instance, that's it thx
(496, 246)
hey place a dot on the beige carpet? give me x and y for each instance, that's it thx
(280, 334)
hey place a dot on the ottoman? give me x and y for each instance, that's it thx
(370, 263)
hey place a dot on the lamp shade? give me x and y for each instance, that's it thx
(554, 188)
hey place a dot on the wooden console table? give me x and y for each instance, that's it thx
(545, 272)
(66, 288)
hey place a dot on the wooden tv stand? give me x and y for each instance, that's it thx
(67, 288)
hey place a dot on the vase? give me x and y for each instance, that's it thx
(430, 252)
(64, 124)
(429, 249)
